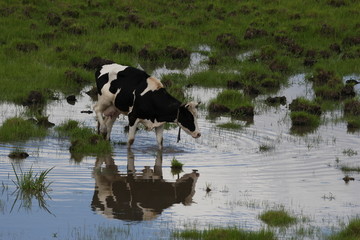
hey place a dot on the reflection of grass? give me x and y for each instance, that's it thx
(230, 125)
(31, 185)
(346, 168)
(349, 152)
(266, 148)
(18, 129)
(350, 232)
(223, 233)
(277, 218)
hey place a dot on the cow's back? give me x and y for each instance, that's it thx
(120, 81)
(128, 81)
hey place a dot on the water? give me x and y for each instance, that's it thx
(299, 173)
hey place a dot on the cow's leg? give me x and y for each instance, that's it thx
(132, 131)
(109, 123)
(99, 108)
(159, 136)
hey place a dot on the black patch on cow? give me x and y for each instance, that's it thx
(100, 82)
(156, 105)
(128, 81)
(186, 118)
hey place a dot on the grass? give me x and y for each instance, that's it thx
(302, 104)
(350, 232)
(29, 185)
(349, 152)
(41, 41)
(18, 129)
(277, 218)
(84, 141)
(304, 119)
(176, 164)
(266, 148)
(346, 168)
(233, 102)
(224, 233)
(32, 183)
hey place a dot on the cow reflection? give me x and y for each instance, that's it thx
(138, 196)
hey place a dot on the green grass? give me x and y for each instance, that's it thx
(277, 218)
(84, 141)
(346, 168)
(42, 40)
(302, 104)
(18, 129)
(350, 232)
(304, 119)
(224, 233)
(232, 101)
(32, 183)
(176, 164)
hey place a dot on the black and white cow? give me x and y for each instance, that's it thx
(130, 91)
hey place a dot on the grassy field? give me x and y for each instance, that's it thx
(46, 46)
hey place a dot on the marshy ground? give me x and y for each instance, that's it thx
(279, 118)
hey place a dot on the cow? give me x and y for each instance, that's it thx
(143, 98)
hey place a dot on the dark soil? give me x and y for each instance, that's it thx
(147, 54)
(96, 62)
(352, 107)
(246, 111)
(290, 45)
(26, 47)
(34, 98)
(322, 77)
(252, 33)
(298, 106)
(218, 108)
(176, 53)
(235, 84)
(75, 77)
(228, 40)
(18, 155)
(122, 48)
(276, 100)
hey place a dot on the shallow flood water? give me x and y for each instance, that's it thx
(96, 199)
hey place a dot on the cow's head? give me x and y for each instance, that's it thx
(187, 119)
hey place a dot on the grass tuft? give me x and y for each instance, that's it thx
(18, 129)
(277, 218)
(32, 183)
(84, 140)
(350, 232)
(233, 102)
(175, 164)
(224, 233)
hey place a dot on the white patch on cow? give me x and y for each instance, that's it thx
(192, 108)
(153, 84)
(112, 70)
(151, 125)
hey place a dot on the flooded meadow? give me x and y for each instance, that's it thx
(229, 176)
